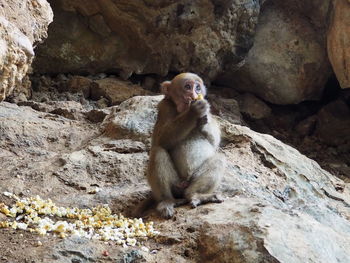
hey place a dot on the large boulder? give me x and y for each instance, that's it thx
(147, 36)
(338, 42)
(23, 24)
(288, 62)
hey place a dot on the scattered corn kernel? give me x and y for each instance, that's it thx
(31, 214)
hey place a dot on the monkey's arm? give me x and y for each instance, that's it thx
(211, 131)
(171, 129)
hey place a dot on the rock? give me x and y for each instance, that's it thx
(123, 162)
(22, 26)
(98, 76)
(68, 113)
(36, 106)
(149, 83)
(133, 118)
(68, 109)
(253, 107)
(79, 250)
(316, 11)
(102, 103)
(338, 42)
(115, 90)
(36, 137)
(288, 62)
(80, 84)
(98, 115)
(74, 250)
(99, 26)
(41, 128)
(21, 97)
(227, 109)
(333, 123)
(61, 83)
(147, 37)
(311, 231)
(345, 94)
(41, 82)
(306, 127)
(242, 242)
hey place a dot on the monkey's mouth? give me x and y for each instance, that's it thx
(187, 100)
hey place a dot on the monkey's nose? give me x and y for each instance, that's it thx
(193, 95)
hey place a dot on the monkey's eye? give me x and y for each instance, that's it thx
(198, 88)
(188, 87)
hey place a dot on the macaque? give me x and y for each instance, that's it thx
(184, 165)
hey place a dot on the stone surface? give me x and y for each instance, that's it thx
(147, 36)
(133, 118)
(68, 109)
(80, 84)
(227, 109)
(338, 42)
(333, 123)
(97, 115)
(279, 205)
(288, 62)
(307, 126)
(253, 107)
(23, 25)
(115, 90)
(316, 11)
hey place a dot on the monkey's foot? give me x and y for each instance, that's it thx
(216, 198)
(195, 202)
(204, 199)
(166, 209)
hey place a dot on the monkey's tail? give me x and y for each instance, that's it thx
(143, 206)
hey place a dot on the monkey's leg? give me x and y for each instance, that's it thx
(161, 176)
(205, 181)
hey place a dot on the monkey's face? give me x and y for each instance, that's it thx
(191, 90)
(184, 89)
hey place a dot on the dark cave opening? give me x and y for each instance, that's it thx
(332, 90)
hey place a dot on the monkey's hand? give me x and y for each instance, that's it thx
(202, 121)
(200, 108)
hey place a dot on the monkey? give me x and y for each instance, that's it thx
(184, 164)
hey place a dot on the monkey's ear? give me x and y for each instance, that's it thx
(164, 87)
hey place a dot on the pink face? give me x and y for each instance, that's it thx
(191, 90)
(186, 92)
(183, 89)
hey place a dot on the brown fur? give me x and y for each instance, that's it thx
(184, 164)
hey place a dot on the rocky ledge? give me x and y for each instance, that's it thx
(279, 205)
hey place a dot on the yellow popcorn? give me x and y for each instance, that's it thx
(41, 231)
(200, 97)
(96, 223)
(4, 209)
(60, 228)
(4, 224)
